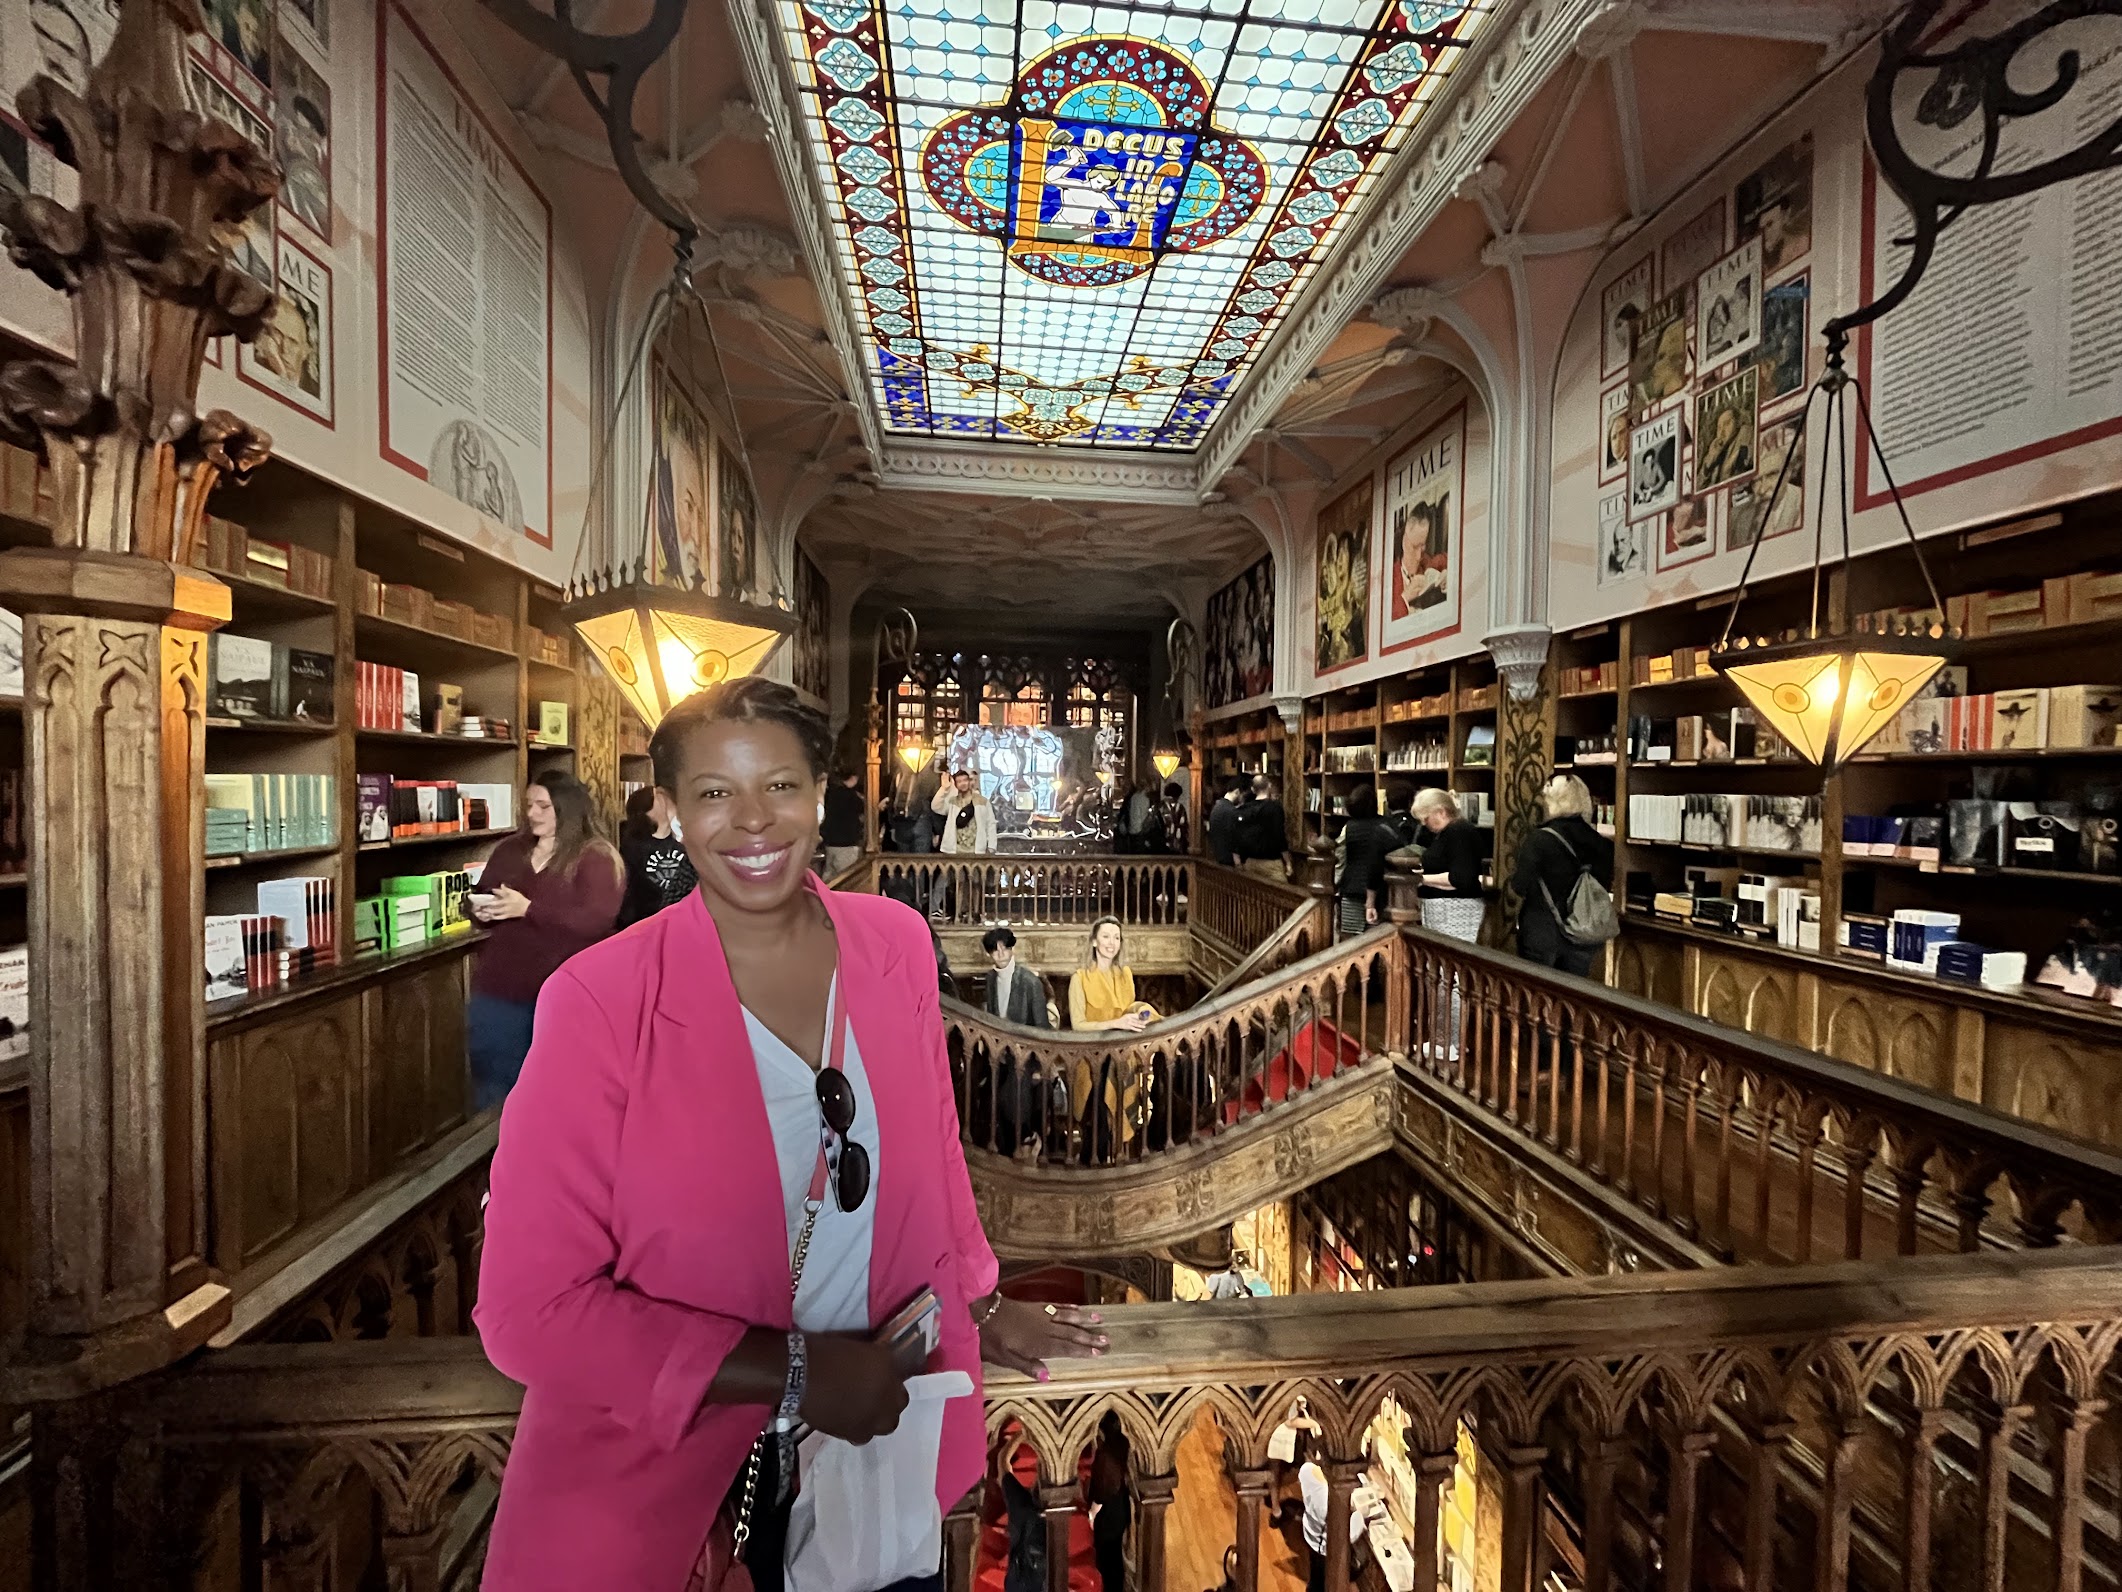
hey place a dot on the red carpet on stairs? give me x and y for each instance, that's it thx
(993, 1554)
(1316, 1051)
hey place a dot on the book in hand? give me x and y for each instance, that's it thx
(914, 1332)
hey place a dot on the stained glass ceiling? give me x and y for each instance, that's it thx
(1078, 224)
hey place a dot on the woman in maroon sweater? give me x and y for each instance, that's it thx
(548, 891)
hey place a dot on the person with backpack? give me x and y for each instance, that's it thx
(1566, 910)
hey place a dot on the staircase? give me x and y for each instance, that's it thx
(1805, 1325)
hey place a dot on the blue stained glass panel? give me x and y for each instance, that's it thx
(1068, 224)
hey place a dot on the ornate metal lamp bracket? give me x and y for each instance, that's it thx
(622, 60)
(1971, 79)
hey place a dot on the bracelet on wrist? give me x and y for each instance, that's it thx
(797, 1381)
(984, 1309)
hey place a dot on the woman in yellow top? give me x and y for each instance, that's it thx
(1101, 997)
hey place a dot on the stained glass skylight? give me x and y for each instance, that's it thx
(1077, 224)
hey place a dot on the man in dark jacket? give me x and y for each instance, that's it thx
(841, 828)
(1014, 992)
(1223, 825)
(1262, 841)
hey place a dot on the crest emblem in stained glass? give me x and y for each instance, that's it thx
(1071, 224)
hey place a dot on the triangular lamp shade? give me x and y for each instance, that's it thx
(659, 655)
(1829, 702)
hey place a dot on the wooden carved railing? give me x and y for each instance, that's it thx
(1141, 892)
(1754, 1149)
(1308, 928)
(1239, 910)
(1818, 1426)
(1103, 1099)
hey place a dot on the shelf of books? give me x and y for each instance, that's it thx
(1976, 843)
(375, 707)
(1241, 745)
(1434, 726)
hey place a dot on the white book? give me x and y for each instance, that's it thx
(224, 958)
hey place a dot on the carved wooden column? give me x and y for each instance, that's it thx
(1058, 1504)
(1524, 1519)
(1685, 1452)
(114, 655)
(1153, 1496)
(873, 771)
(1291, 711)
(1525, 755)
(1769, 1442)
(1434, 1467)
(1341, 1476)
(1254, 1489)
(961, 1543)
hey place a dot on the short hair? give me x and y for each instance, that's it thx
(1431, 800)
(1398, 798)
(1263, 786)
(1566, 796)
(1175, 791)
(749, 699)
(1000, 935)
(1363, 802)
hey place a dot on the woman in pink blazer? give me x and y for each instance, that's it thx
(655, 1172)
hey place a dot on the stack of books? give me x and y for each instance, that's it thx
(269, 812)
(390, 808)
(386, 698)
(293, 933)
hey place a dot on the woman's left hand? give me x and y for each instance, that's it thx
(508, 903)
(1024, 1336)
(1370, 912)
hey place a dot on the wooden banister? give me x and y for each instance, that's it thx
(1102, 1099)
(1563, 1382)
(1238, 910)
(1142, 892)
(1758, 1150)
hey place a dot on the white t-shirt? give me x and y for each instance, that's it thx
(834, 1295)
(1312, 1480)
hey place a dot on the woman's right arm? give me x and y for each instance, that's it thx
(550, 1313)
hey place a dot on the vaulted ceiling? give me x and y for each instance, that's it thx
(885, 428)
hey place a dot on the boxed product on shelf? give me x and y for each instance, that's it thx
(266, 561)
(1864, 935)
(401, 920)
(489, 805)
(552, 724)
(446, 617)
(406, 605)
(1475, 698)
(308, 913)
(1914, 937)
(1759, 900)
(303, 684)
(2018, 720)
(1975, 833)
(2093, 595)
(14, 993)
(1798, 919)
(1964, 962)
(2084, 715)
(445, 892)
(546, 648)
(227, 970)
(372, 821)
(493, 630)
(2041, 835)
(368, 593)
(446, 716)
(240, 677)
(368, 925)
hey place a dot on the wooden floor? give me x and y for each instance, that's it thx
(1202, 1522)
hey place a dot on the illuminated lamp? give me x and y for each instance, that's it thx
(662, 643)
(1828, 691)
(915, 753)
(1166, 764)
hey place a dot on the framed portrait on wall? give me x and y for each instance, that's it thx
(1689, 533)
(1775, 203)
(1425, 495)
(1613, 434)
(1654, 464)
(1661, 358)
(1624, 544)
(738, 524)
(1341, 580)
(1728, 307)
(1727, 418)
(1697, 244)
(1238, 651)
(1749, 519)
(1785, 311)
(1620, 307)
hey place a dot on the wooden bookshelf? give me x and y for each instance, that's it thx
(2001, 907)
(363, 539)
(1407, 730)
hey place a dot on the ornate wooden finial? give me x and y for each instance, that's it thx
(144, 257)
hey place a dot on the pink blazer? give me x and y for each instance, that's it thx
(636, 1230)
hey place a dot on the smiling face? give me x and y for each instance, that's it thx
(747, 800)
(963, 781)
(1106, 942)
(538, 812)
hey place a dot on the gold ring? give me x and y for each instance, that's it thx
(1052, 1311)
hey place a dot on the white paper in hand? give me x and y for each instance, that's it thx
(868, 1517)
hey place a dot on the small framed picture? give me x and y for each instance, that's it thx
(1728, 307)
(1654, 464)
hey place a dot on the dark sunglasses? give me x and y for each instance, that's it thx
(849, 1161)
